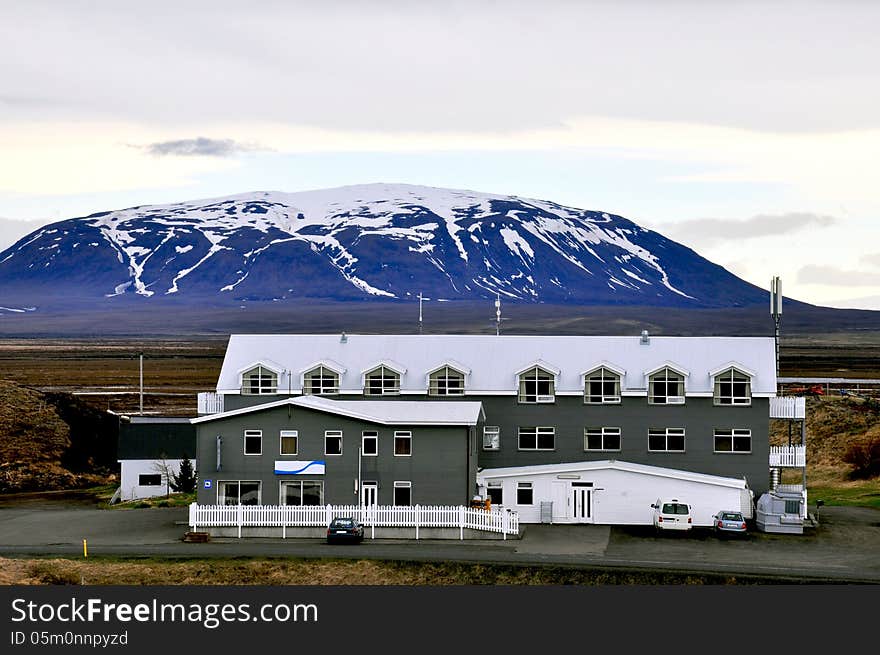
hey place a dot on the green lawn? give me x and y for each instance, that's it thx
(859, 494)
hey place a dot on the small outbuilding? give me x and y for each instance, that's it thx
(151, 449)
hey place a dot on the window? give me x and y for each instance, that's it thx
(253, 442)
(321, 380)
(289, 442)
(238, 492)
(259, 380)
(403, 493)
(669, 440)
(666, 387)
(370, 443)
(382, 381)
(302, 492)
(150, 480)
(601, 387)
(446, 382)
(333, 442)
(524, 493)
(541, 438)
(491, 437)
(733, 441)
(402, 444)
(495, 492)
(733, 388)
(601, 438)
(536, 386)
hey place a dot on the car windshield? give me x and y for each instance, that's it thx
(731, 516)
(675, 508)
(343, 523)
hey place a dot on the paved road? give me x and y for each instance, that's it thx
(845, 548)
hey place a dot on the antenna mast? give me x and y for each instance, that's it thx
(497, 314)
(776, 313)
(420, 312)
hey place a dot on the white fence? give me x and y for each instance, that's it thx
(210, 402)
(795, 456)
(788, 407)
(291, 516)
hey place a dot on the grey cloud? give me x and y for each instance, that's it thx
(706, 231)
(834, 276)
(199, 147)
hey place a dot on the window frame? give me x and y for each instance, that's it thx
(288, 434)
(668, 432)
(282, 495)
(719, 433)
(261, 389)
(332, 434)
(494, 485)
(539, 375)
(253, 434)
(403, 436)
(324, 373)
(222, 484)
(670, 375)
(141, 477)
(402, 484)
(720, 400)
(538, 431)
(373, 435)
(603, 432)
(525, 487)
(492, 429)
(385, 390)
(449, 373)
(606, 375)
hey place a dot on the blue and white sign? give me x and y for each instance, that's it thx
(207, 484)
(299, 467)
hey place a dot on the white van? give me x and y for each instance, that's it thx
(672, 514)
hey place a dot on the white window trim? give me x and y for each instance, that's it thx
(667, 432)
(253, 433)
(606, 400)
(273, 369)
(742, 432)
(282, 497)
(546, 399)
(537, 429)
(604, 431)
(525, 485)
(401, 484)
(334, 433)
(403, 434)
(373, 435)
(259, 483)
(736, 401)
(390, 391)
(497, 430)
(287, 433)
(435, 390)
(666, 370)
(324, 368)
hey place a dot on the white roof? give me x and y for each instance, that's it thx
(384, 412)
(644, 469)
(495, 360)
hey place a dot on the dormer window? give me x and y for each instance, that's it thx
(259, 380)
(321, 381)
(382, 381)
(602, 387)
(733, 387)
(666, 387)
(536, 386)
(446, 381)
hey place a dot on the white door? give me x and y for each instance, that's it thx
(559, 496)
(369, 495)
(581, 505)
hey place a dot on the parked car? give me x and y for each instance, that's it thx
(729, 522)
(345, 530)
(672, 514)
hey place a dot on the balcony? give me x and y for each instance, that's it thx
(788, 456)
(210, 402)
(788, 408)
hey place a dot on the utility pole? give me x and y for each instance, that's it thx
(497, 314)
(420, 312)
(141, 376)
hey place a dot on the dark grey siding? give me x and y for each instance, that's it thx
(634, 416)
(442, 467)
(146, 439)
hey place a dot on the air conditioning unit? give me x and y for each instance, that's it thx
(610, 399)
(675, 400)
(545, 399)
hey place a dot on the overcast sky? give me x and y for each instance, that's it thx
(749, 131)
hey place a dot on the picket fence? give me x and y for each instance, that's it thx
(502, 521)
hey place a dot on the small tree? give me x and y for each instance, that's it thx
(864, 457)
(164, 468)
(185, 480)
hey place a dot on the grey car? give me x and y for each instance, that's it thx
(729, 522)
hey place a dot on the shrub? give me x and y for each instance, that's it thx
(185, 480)
(864, 457)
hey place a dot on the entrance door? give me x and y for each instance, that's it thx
(582, 502)
(370, 494)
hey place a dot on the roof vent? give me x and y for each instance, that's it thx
(343, 338)
(645, 340)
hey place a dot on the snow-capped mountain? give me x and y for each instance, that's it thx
(379, 241)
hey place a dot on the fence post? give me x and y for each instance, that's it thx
(505, 524)
(461, 523)
(418, 519)
(239, 519)
(192, 516)
(327, 516)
